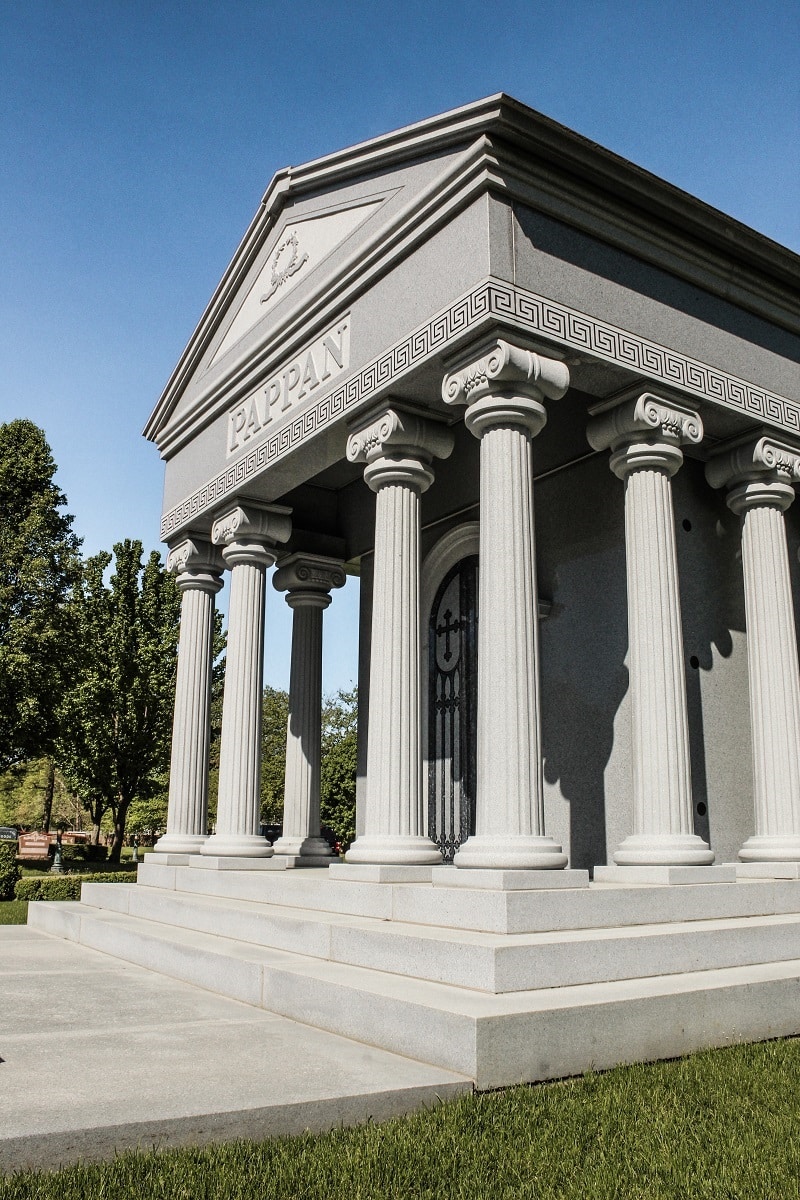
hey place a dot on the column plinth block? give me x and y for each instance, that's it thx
(503, 387)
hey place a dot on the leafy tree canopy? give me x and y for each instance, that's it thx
(39, 563)
(116, 721)
(274, 718)
(338, 766)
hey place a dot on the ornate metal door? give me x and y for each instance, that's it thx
(452, 707)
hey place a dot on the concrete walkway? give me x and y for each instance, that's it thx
(99, 1056)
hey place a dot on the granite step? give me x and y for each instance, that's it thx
(483, 910)
(494, 1039)
(465, 958)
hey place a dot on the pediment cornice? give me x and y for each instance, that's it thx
(496, 145)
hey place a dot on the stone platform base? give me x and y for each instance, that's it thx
(278, 862)
(499, 984)
(671, 876)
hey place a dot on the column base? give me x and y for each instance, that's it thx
(231, 845)
(668, 876)
(516, 853)
(664, 850)
(180, 843)
(400, 851)
(509, 881)
(379, 873)
(316, 847)
(761, 848)
(767, 870)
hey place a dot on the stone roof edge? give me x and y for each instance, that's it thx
(523, 128)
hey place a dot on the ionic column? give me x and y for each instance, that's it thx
(504, 390)
(307, 579)
(759, 476)
(645, 435)
(398, 448)
(249, 536)
(198, 566)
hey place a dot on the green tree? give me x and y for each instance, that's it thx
(39, 564)
(274, 719)
(33, 795)
(115, 722)
(339, 765)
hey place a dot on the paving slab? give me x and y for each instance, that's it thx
(98, 1056)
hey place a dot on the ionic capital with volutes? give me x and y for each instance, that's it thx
(250, 533)
(758, 471)
(308, 579)
(505, 385)
(643, 431)
(398, 447)
(197, 564)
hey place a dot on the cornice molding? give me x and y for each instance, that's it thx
(455, 186)
(493, 302)
(503, 128)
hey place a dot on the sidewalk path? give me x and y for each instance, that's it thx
(99, 1056)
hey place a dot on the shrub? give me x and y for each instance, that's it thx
(83, 852)
(62, 887)
(49, 887)
(9, 871)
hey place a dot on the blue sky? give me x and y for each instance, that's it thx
(137, 138)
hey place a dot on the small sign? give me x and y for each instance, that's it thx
(287, 392)
(34, 845)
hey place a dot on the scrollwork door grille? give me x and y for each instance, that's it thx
(452, 705)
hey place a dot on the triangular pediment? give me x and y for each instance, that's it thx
(298, 249)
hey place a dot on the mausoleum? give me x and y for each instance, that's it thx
(547, 407)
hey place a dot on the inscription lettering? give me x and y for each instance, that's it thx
(295, 383)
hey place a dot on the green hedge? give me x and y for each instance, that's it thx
(62, 887)
(9, 871)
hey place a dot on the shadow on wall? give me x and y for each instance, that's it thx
(584, 644)
(712, 608)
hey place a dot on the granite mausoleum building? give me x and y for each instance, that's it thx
(547, 407)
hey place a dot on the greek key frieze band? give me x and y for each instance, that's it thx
(495, 299)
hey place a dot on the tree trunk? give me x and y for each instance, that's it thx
(120, 817)
(96, 808)
(47, 810)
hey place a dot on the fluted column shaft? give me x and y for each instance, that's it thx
(398, 448)
(187, 812)
(239, 801)
(504, 392)
(645, 436)
(510, 787)
(308, 580)
(760, 476)
(774, 682)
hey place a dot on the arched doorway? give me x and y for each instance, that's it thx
(452, 706)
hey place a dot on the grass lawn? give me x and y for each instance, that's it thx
(13, 912)
(722, 1125)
